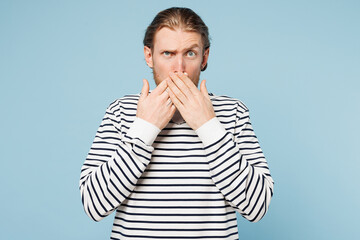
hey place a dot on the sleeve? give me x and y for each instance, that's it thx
(114, 163)
(238, 166)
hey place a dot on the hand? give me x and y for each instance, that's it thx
(194, 106)
(156, 107)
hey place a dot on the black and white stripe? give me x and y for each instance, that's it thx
(186, 185)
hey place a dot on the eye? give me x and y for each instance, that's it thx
(191, 53)
(167, 53)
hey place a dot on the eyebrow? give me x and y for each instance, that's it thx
(195, 45)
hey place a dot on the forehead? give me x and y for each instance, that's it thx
(176, 39)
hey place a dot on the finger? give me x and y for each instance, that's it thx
(160, 88)
(175, 100)
(184, 77)
(145, 89)
(181, 85)
(176, 91)
(165, 95)
(203, 88)
(172, 110)
(169, 102)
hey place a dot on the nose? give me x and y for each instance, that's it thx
(179, 64)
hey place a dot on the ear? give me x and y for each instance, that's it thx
(205, 58)
(148, 56)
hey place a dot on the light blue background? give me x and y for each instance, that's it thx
(295, 64)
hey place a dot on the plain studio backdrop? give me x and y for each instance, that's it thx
(295, 64)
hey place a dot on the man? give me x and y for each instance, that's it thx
(178, 162)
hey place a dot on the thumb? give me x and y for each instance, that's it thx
(203, 89)
(145, 88)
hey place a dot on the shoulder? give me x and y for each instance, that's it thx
(122, 111)
(127, 102)
(223, 101)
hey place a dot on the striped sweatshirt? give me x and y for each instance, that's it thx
(176, 183)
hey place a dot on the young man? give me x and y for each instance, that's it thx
(178, 162)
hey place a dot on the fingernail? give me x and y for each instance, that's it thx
(185, 73)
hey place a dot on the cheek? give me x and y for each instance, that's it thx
(194, 64)
(193, 69)
(163, 66)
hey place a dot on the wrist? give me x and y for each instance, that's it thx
(201, 123)
(144, 130)
(210, 131)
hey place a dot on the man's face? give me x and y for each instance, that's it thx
(176, 51)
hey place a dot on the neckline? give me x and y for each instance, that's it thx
(178, 123)
(177, 118)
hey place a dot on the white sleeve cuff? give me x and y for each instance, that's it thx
(210, 131)
(143, 130)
